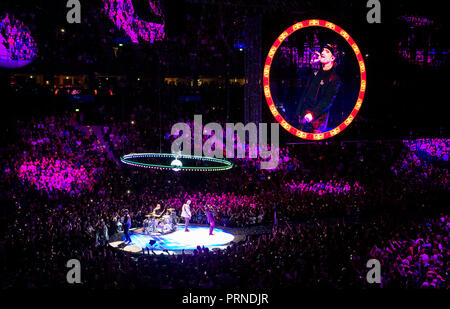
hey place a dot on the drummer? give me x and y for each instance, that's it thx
(157, 211)
(156, 215)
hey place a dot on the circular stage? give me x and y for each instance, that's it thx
(175, 242)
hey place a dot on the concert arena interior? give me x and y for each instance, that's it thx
(96, 195)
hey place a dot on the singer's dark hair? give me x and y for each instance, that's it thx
(334, 49)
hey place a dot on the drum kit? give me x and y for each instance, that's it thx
(160, 224)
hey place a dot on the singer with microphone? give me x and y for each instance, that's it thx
(320, 92)
(210, 212)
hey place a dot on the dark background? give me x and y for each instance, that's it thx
(402, 99)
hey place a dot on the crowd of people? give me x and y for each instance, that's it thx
(54, 174)
(417, 259)
(330, 205)
(422, 174)
(122, 13)
(355, 188)
(230, 208)
(131, 132)
(56, 155)
(109, 31)
(431, 148)
(16, 41)
(334, 187)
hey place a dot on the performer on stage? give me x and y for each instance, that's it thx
(146, 224)
(126, 221)
(174, 217)
(320, 92)
(186, 214)
(156, 217)
(209, 211)
(158, 212)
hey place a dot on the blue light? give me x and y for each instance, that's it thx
(240, 45)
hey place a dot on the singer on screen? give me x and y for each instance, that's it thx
(320, 92)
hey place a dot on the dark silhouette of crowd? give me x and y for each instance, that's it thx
(321, 237)
(320, 215)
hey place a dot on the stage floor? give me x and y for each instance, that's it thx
(177, 241)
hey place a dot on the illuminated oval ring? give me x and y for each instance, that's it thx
(266, 76)
(128, 159)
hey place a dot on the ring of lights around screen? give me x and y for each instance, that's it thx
(266, 77)
(128, 159)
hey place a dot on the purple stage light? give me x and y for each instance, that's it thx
(17, 46)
